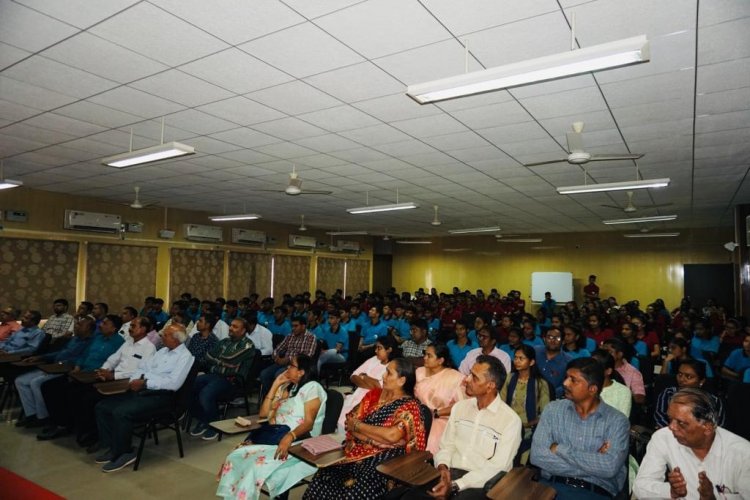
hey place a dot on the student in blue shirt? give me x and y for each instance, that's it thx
(461, 345)
(373, 330)
(433, 323)
(738, 361)
(356, 315)
(337, 342)
(704, 345)
(514, 341)
(529, 334)
(280, 324)
(574, 342)
(265, 315)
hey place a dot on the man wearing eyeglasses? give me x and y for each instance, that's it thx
(487, 346)
(551, 361)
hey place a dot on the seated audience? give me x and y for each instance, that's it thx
(648, 336)
(8, 323)
(628, 335)
(614, 391)
(439, 387)
(261, 336)
(487, 347)
(26, 339)
(415, 346)
(551, 361)
(29, 384)
(300, 341)
(514, 341)
(204, 340)
(581, 443)
(679, 351)
(530, 337)
(127, 315)
(704, 344)
(337, 341)
(152, 388)
(387, 423)
(691, 374)
(596, 332)
(632, 377)
(227, 365)
(369, 375)
(701, 459)
(280, 324)
(461, 345)
(527, 392)
(574, 344)
(737, 363)
(60, 325)
(296, 402)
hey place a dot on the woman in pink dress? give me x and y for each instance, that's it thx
(438, 387)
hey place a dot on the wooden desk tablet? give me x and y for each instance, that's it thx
(411, 469)
(229, 426)
(519, 485)
(322, 460)
(113, 387)
(84, 377)
(56, 368)
(10, 358)
(23, 363)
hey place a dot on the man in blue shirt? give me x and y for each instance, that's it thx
(152, 388)
(280, 324)
(551, 361)
(581, 443)
(26, 340)
(372, 330)
(337, 340)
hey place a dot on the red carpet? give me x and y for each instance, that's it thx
(18, 488)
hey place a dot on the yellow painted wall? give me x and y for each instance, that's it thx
(46, 212)
(642, 269)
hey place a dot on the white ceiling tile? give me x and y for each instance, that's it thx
(359, 155)
(97, 114)
(211, 146)
(405, 148)
(431, 62)
(57, 77)
(541, 145)
(315, 9)
(24, 131)
(181, 88)
(327, 143)
(356, 82)
(321, 160)
(348, 170)
(59, 123)
(485, 13)
(396, 107)
(234, 21)
(657, 88)
(725, 42)
(492, 115)
(339, 118)
(460, 140)
(285, 150)
(302, 51)
(374, 178)
(152, 32)
(430, 159)
(245, 137)
(103, 58)
(136, 102)
(430, 126)
(198, 122)
(241, 111)
(376, 29)
(18, 21)
(79, 13)
(10, 54)
(721, 102)
(581, 100)
(31, 95)
(724, 76)
(375, 135)
(236, 71)
(723, 121)
(474, 101)
(294, 98)
(653, 112)
(289, 129)
(516, 132)
(478, 154)
(99, 148)
(12, 145)
(16, 112)
(247, 156)
(722, 10)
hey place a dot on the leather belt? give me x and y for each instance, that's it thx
(580, 483)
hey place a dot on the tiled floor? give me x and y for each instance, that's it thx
(63, 467)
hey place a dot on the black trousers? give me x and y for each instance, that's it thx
(420, 492)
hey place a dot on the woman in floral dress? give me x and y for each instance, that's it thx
(293, 400)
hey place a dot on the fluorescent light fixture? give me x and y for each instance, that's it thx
(382, 208)
(148, 155)
(346, 233)
(413, 242)
(456, 250)
(9, 184)
(605, 56)
(636, 220)
(615, 186)
(651, 235)
(227, 218)
(469, 230)
(520, 240)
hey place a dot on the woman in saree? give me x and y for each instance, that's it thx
(438, 387)
(369, 375)
(294, 400)
(387, 423)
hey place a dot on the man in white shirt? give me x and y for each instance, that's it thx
(127, 315)
(481, 439)
(703, 460)
(486, 340)
(221, 330)
(261, 336)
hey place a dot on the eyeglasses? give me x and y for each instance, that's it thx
(553, 337)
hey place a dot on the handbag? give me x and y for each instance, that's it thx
(268, 434)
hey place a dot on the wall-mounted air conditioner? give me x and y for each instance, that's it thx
(346, 246)
(197, 232)
(297, 241)
(89, 221)
(248, 236)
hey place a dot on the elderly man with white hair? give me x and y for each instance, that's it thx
(701, 459)
(152, 388)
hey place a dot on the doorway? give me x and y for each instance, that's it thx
(710, 281)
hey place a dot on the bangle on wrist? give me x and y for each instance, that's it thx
(436, 413)
(294, 436)
(356, 425)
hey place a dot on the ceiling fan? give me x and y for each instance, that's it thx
(302, 226)
(578, 156)
(294, 188)
(630, 208)
(136, 203)
(436, 221)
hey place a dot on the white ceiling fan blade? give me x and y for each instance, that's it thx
(605, 157)
(312, 191)
(617, 207)
(548, 162)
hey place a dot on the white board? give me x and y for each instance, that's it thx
(559, 284)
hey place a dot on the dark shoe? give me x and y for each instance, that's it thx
(42, 422)
(94, 447)
(51, 433)
(122, 461)
(104, 458)
(25, 421)
(199, 429)
(210, 435)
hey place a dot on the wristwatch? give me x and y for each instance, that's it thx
(435, 413)
(454, 488)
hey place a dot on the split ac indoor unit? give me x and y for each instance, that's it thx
(198, 232)
(248, 236)
(90, 221)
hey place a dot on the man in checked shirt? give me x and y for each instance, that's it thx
(581, 443)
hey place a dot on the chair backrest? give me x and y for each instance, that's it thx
(183, 394)
(353, 344)
(426, 418)
(334, 403)
(255, 368)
